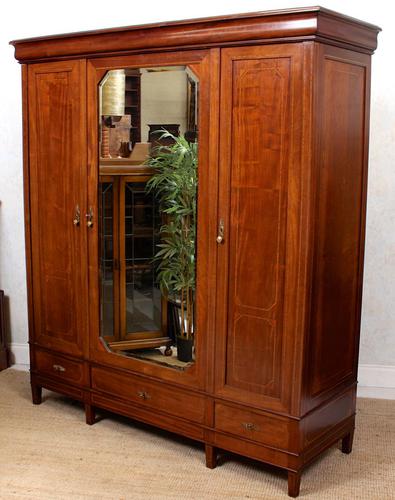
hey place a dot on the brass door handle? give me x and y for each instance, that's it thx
(59, 368)
(77, 216)
(249, 426)
(89, 217)
(143, 395)
(221, 230)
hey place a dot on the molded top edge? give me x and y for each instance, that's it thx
(297, 23)
(199, 20)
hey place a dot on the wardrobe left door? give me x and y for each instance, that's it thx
(57, 197)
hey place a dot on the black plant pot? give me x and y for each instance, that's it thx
(184, 349)
(173, 320)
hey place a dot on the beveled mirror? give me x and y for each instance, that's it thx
(148, 191)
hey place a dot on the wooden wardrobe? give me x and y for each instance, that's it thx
(283, 119)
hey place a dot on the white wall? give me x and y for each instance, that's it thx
(25, 18)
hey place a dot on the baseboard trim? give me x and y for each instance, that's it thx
(376, 381)
(20, 368)
(376, 392)
(376, 376)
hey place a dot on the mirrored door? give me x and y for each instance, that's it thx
(148, 185)
(152, 192)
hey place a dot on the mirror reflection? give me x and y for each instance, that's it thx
(148, 190)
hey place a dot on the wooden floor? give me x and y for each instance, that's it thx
(47, 452)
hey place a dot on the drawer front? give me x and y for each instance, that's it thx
(59, 367)
(264, 429)
(149, 394)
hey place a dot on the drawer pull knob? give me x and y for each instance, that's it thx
(249, 426)
(143, 395)
(59, 368)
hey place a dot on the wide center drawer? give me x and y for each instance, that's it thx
(68, 370)
(149, 394)
(275, 431)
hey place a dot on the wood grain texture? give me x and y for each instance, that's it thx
(170, 423)
(210, 231)
(41, 381)
(294, 483)
(59, 367)
(150, 394)
(211, 456)
(57, 178)
(340, 172)
(257, 451)
(260, 27)
(326, 417)
(275, 431)
(260, 203)
(338, 222)
(26, 197)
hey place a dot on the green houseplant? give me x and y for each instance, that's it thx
(175, 185)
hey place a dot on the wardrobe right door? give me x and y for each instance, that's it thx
(259, 223)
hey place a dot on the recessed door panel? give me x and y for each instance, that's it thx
(259, 128)
(335, 278)
(57, 161)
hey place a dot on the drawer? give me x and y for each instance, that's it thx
(59, 367)
(149, 394)
(272, 431)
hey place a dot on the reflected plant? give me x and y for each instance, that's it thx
(175, 185)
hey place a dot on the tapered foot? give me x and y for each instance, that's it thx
(211, 456)
(90, 414)
(294, 483)
(347, 442)
(36, 394)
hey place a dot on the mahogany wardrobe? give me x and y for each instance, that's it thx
(271, 109)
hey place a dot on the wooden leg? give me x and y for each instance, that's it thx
(294, 483)
(347, 442)
(211, 456)
(90, 414)
(36, 394)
